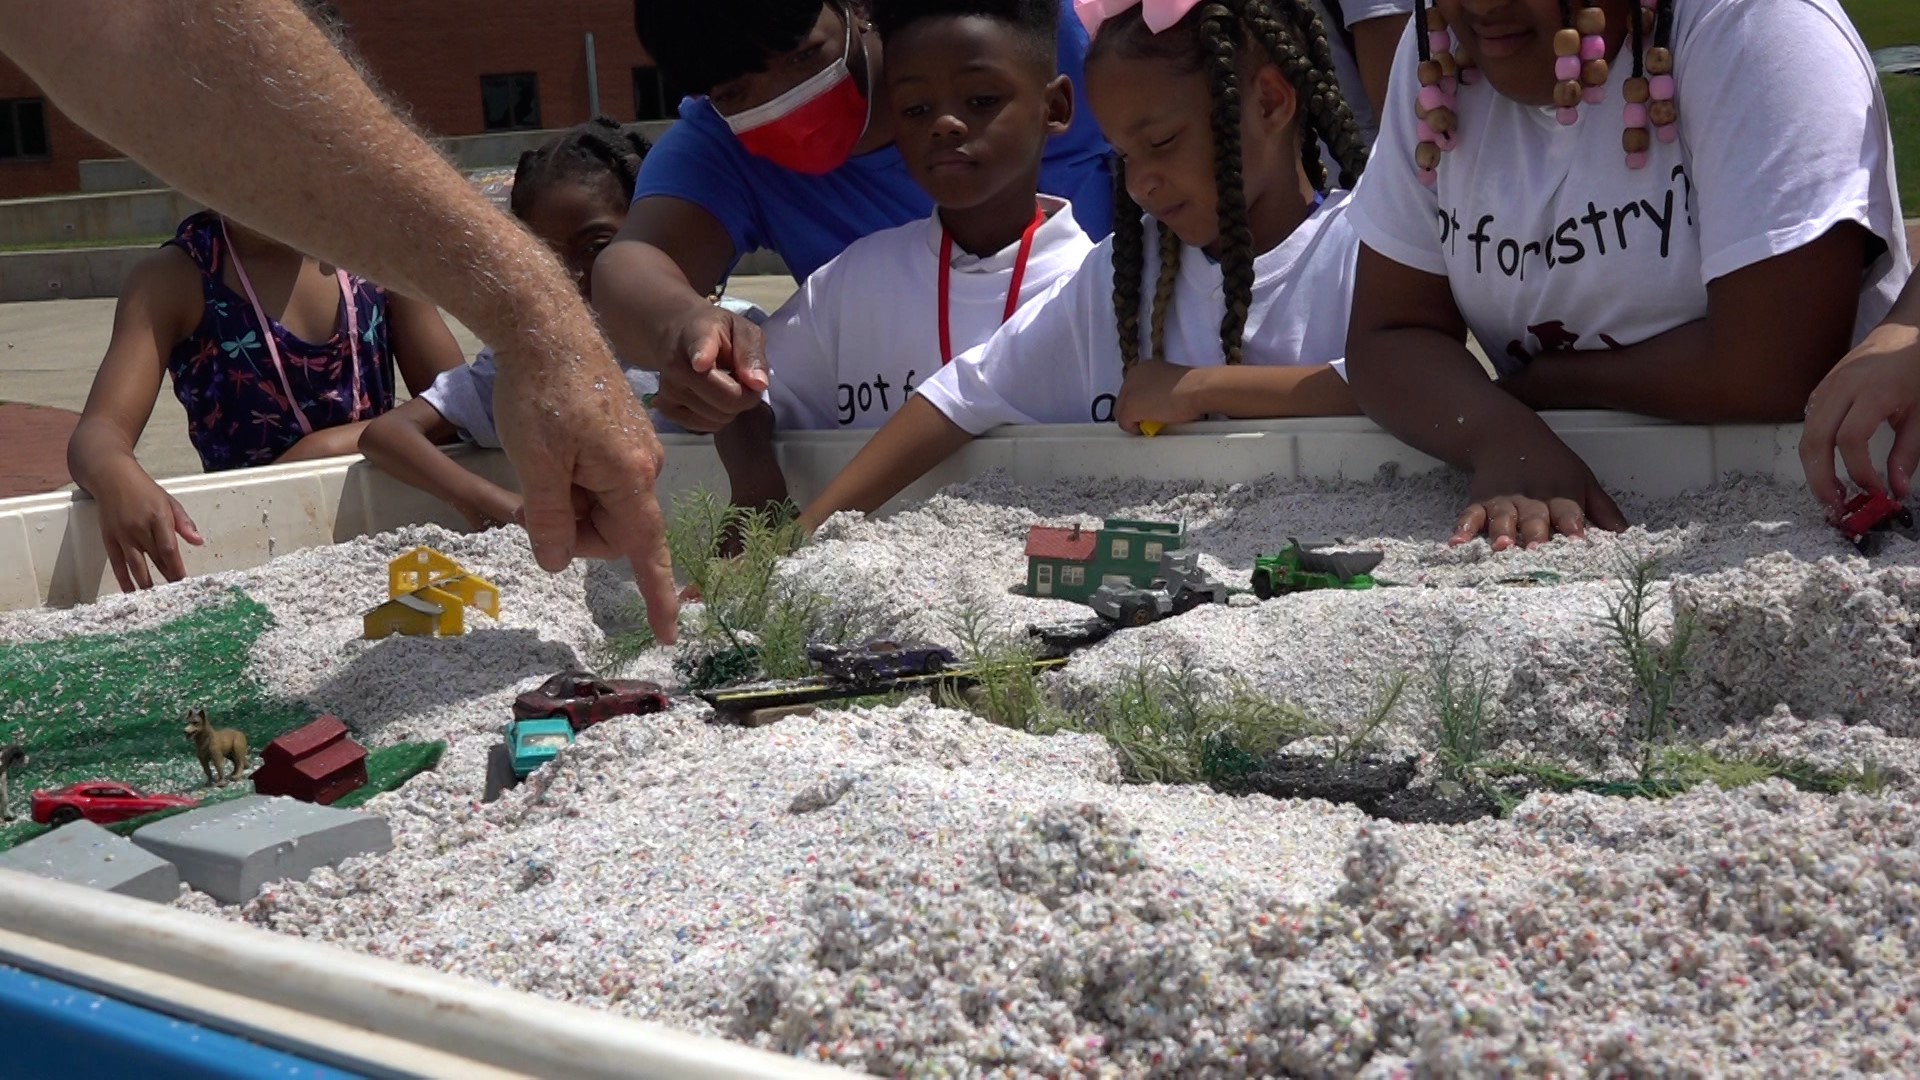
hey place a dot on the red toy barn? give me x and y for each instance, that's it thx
(316, 763)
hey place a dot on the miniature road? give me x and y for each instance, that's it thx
(789, 692)
(50, 349)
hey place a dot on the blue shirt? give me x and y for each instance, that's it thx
(810, 219)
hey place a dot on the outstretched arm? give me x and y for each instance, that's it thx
(1878, 383)
(905, 449)
(301, 149)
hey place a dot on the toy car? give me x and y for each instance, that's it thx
(585, 699)
(102, 802)
(1180, 587)
(529, 745)
(878, 661)
(1870, 512)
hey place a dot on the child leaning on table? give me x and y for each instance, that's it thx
(573, 194)
(275, 357)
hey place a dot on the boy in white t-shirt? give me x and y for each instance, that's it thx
(1228, 296)
(1680, 208)
(976, 93)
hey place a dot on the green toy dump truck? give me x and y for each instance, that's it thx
(1301, 568)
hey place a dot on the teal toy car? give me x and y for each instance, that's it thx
(529, 744)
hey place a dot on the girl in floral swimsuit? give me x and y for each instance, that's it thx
(275, 358)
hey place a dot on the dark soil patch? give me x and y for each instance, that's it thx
(1364, 782)
(1427, 806)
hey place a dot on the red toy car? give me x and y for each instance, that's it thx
(1871, 511)
(102, 802)
(586, 699)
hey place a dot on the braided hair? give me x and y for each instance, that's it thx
(598, 151)
(1209, 38)
(1580, 77)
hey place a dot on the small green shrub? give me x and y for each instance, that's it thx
(1168, 730)
(1460, 694)
(1386, 700)
(1656, 668)
(750, 623)
(1006, 688)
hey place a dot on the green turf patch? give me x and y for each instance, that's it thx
(1885, 22)
(112, 707)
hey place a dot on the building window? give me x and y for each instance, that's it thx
(510, 102)
(1152, 552)
(655, 97)
(23, 129)
(1121, 548)
(1073, 575)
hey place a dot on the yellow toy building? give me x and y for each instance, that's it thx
(429, 597)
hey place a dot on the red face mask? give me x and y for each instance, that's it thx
(812, 128)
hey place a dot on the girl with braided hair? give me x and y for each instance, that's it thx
(1225, 286)
(572, 193)
(1631, 207)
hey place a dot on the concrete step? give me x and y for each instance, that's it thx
(92, 219)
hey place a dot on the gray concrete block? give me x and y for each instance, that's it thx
(83, 853)
(230, 849)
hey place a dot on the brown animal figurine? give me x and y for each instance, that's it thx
(218, 747)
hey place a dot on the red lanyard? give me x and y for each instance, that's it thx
(273, 350)
(1013, 289)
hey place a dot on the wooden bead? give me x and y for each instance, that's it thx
(1427, 156)
(1566, 43)
(1635, 91)
(1659, 61)
(1567, 95)
(1649, 21)
(1430, 73)
(1594, 73)
(1636, 140)
(1663, 112)
(1590, 21)
(1435, 20)
(1461, 60)
(1442, 120)
(1448, 67)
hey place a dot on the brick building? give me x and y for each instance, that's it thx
(463, 67)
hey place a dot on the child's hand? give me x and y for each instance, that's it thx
(1532, 490)
(1155, 391)
(139, 521)
(1878, 383)
(494, 508)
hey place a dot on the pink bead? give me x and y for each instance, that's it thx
(1566, 68)
(1634, 116)
(1666, 133)
(1431, 98)
(1650, 4)
(1423, 133)
(1661, 87)
(1594, 95)
(1438, 41)
(1427, 176)
(1567, 117)
(1593, 48)
(1449, 86)
(1469, 76)
(1637, 161)
(1446, 141)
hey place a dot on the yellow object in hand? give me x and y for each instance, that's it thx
(1150, 428)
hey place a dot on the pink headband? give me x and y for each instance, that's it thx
(1157, 14)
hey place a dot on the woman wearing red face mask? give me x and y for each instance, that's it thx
(780, 148)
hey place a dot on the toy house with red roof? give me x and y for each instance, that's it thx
(1070, 562)
(317, 763)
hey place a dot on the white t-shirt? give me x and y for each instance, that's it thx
(1058, 360)
(864, 330)
(464, 397)
(1346, 68)
(1550, 242)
